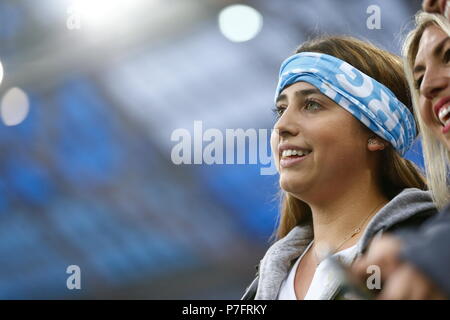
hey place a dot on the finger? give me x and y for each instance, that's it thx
(423, 288)
(383, 254)
(359, 268)
(397, 287)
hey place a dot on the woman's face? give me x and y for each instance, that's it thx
(330, 144)
(431, 72)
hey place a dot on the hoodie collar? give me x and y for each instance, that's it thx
(277, 261)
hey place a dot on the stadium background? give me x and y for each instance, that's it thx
(86, 176)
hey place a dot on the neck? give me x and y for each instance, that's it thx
(335, 220)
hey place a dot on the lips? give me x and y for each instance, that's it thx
(286, 147)
(442, 112)
(287, 162)
(446, 128)
(443, 102)
(291, 154)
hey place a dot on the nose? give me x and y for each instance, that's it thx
(431, 6)
(434, 81)
(286, 124)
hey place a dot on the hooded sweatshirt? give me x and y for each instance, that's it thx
(408, 209)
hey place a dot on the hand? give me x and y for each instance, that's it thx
(400, 280)
(383, 252)
(408, 283)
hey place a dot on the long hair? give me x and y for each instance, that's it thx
(395, 173)
(436, 155)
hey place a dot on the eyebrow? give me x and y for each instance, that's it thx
(436, 52)
(299, 93)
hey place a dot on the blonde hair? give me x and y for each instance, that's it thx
(436, 155)
(396, 173)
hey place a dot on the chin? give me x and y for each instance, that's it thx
(291, 183)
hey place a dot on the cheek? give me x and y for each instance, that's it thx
(425, 110)
(340, 141)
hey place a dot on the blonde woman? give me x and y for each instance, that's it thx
(343, 122)
(418, 267)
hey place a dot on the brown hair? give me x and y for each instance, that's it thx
(395, 172)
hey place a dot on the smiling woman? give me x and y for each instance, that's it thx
(416, 265)
(427, 52)
(343, 123)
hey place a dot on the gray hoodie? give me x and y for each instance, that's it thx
(409, 208)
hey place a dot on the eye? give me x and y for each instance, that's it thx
(447, 56)
(418, 83)
(278, 111)
(312, 105)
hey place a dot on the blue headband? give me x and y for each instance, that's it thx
(366, 99)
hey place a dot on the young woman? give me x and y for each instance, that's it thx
(343, 123)
(424, 64)
(418, 267)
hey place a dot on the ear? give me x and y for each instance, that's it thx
(375, 144)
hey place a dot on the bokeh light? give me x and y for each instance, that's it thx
(1, 72)
(240, 23)
(99, 13)
(14, 107)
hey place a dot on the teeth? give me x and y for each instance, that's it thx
(443, 113)
(292, 152)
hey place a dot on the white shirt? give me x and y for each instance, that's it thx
(322, 283)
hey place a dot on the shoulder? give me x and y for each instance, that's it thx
(414, 207)
(407, 211)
